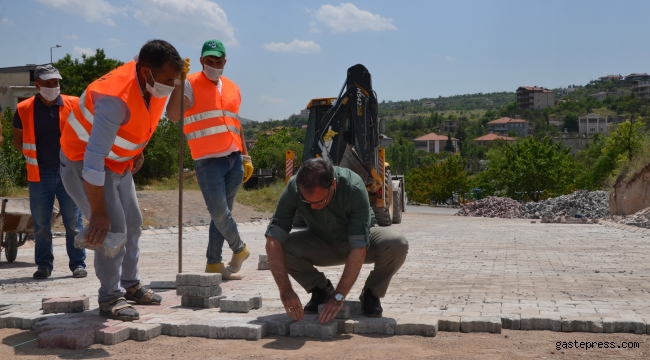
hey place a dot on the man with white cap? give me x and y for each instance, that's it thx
(37, 127)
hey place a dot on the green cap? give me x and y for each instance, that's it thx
(214, 48)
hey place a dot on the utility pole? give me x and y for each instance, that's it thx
(57, 46)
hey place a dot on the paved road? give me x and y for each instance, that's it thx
(431, 210)
(456, 266)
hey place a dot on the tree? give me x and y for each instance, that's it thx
(439, 181)
(271, 146)
(571, 122)
(449, 146)
(512, 133)
(12, 163)
(401, 155)
(77, 75)
(530, 167)
(626, 139)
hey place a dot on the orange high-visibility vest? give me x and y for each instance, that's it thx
(131, 137)
(212, 124)
(26, 112)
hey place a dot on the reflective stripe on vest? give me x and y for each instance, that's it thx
(83, 135)
(210, 114)
(27, 146)
(30, 160)
(211, 131)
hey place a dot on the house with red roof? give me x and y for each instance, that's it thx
(491, 138)
(505, 124)
(434, 143)
(533, 97)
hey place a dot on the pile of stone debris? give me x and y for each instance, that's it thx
(641, 218)
(587, 204)
(492, 206)
(583, 206)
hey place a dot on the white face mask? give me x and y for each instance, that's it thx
(159, 90)
(212, 73)
(49, 94)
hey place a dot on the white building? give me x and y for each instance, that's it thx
(16, 85)
(593, 123)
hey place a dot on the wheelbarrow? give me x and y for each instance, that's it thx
(16, 224)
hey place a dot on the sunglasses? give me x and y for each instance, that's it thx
(322, 202)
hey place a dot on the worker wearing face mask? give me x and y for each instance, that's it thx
(101, 148)
(37, 126)
(221, 160)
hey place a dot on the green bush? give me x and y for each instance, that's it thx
(13, 172)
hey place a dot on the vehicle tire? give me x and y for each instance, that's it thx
(11, 248)
(397, 204)
(384, 216)
(299, 221)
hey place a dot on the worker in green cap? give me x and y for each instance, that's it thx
(221, 160)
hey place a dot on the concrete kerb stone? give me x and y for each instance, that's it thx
(624, 325)
(74, 304)
(582, 324)
(480, 324)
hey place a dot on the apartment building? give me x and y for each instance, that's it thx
(533, 97)
(505, 124)
(16, 85)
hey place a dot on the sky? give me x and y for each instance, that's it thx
(284, 53)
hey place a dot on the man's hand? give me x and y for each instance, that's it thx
(292, 304)
(248, 167)
(184, 69)
(330, 310)
(137, 163)
(99, 225)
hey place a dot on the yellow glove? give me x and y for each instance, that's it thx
(248, 168)
(185, 69)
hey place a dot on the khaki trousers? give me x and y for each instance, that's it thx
(387, 250)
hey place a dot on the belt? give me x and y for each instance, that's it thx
(233, 154)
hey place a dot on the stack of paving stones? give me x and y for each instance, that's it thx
(492, 207)
(199, 290)
(263, 264)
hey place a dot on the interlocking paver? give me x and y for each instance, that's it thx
(531, 276)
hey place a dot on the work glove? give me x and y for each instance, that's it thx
(248, 167)
(185, 69)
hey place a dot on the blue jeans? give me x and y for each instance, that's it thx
(41, 202)
(219, 180)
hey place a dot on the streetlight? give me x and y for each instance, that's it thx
(57, 46)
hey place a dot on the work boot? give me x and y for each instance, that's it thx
(237, 259)
(371, 304)
(220, 268)
(318, 296)
(42, 273)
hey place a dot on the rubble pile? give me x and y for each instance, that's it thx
(641, 219)
(492, 206)
(590, 204)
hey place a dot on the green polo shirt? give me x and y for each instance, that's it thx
(347, 217)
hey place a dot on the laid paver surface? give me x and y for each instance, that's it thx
(456, 267)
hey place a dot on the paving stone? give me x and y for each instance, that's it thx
(240, 303)
(18, 320)
(511, 321)
(264, 258)
(173, 327)
(75, 339)
(277, 324)
(356, 307)
(368, 325)
(470, 324)
(201, 302)
(74, 304)
(198, 279)
(582, 324)
(551, 323)
(344, 313)
(414, 324)
(143, 332)
(195, 290)
(112, 335)
(311, 327)
(449, 323)
(263, 265)
(624, 325)
(163, 284)
(255, 302)
(247, 331)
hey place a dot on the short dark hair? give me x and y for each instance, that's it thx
(313, 173)
(155, 53)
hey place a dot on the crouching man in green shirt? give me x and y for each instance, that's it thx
(334, 203)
